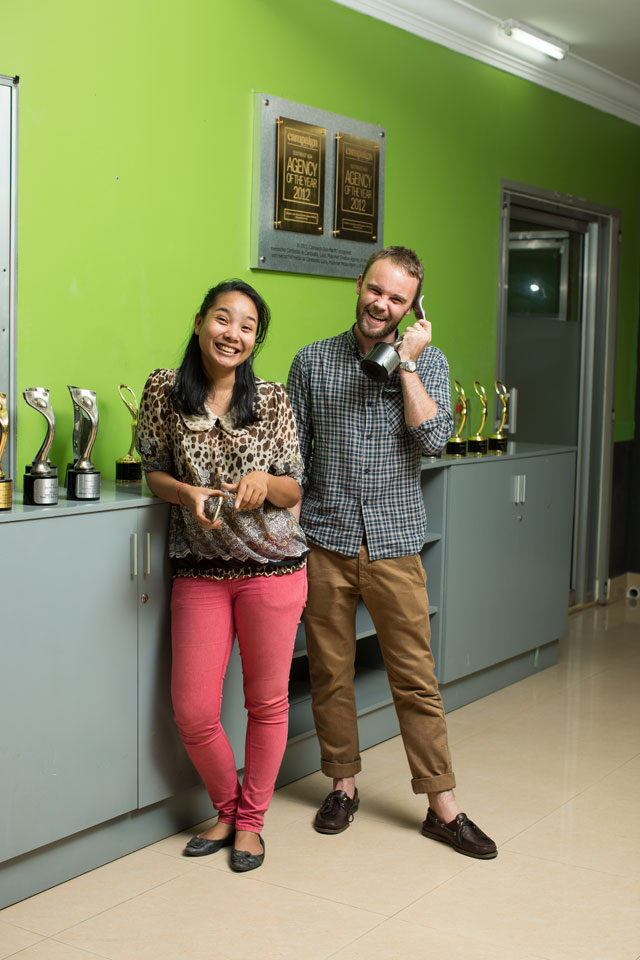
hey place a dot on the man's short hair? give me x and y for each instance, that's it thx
(403, 257)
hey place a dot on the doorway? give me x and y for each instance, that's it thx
(557, 313)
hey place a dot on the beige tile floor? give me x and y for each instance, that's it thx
(549, 766)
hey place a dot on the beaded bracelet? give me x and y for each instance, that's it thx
(178, 494)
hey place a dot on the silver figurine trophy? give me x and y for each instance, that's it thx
(83, 480)
(41, 477)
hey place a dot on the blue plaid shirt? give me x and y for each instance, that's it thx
(362, 461)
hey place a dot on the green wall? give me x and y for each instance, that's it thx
(134, 183)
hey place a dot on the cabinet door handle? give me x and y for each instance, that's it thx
(147, 554)
(134, 554)
(512, 425)
(519, 488)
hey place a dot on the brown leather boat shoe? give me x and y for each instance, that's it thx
(462, 834)
(336, 813)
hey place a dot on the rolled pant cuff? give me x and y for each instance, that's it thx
(339, 771)
(446, 781)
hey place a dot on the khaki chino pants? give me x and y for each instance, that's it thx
(394, 592)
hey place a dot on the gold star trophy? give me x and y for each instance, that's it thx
(129, 467)
(477, 444)
(498, 440)
(457, 446)
(6, 485)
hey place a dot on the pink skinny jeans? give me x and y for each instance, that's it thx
(264, 613)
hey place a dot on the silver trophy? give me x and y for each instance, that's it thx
(83, 480)
(41, 478)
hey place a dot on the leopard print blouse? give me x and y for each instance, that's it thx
(193, 448)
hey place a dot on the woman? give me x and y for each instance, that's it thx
(213, 437)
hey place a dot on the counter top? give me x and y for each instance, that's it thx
(113, 496)
(515, 451)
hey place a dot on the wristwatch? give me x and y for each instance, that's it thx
(409, 365)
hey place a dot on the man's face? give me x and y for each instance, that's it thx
(385, 295)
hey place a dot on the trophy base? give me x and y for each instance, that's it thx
(82, 484)
(456, 447)
(476, 446)
(52, 470)
(128, 471)
(40, 490)
(6, 494)
(498, 444)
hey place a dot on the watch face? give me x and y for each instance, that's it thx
(409, 365)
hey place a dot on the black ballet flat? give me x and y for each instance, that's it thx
(201, 847)
(241, 861)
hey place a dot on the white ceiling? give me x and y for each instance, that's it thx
(603, 64)
(603, 32)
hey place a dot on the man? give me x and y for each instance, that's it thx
(362, 444)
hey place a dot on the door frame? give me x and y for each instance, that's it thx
(592, 526)
(9, 264)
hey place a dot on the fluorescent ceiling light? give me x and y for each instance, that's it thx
(535, 38)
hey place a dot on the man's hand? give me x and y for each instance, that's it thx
(415, 339)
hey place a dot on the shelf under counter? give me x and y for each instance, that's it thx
(364, 628)
(371, 689)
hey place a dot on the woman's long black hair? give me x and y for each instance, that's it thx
(192, 384)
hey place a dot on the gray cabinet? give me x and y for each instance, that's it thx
(164, 767)
(507, 569)
(68, 669)
(85, 706)
(497, 558)
(92, 764)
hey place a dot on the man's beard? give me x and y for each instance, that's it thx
(377, 333)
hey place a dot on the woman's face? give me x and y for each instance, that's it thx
(227, 332)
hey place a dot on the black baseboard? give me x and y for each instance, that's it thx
(621, 538)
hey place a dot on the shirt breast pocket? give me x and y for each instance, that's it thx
(394, 409)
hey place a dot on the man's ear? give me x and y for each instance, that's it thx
(359, 284)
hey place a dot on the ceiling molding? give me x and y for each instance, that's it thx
(475, 34)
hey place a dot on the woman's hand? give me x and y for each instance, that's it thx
(251, 491)
(191, 498)
(194, 499)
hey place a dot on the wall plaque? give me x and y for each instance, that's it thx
(356, 209)
(297, 225)
(300, 176)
